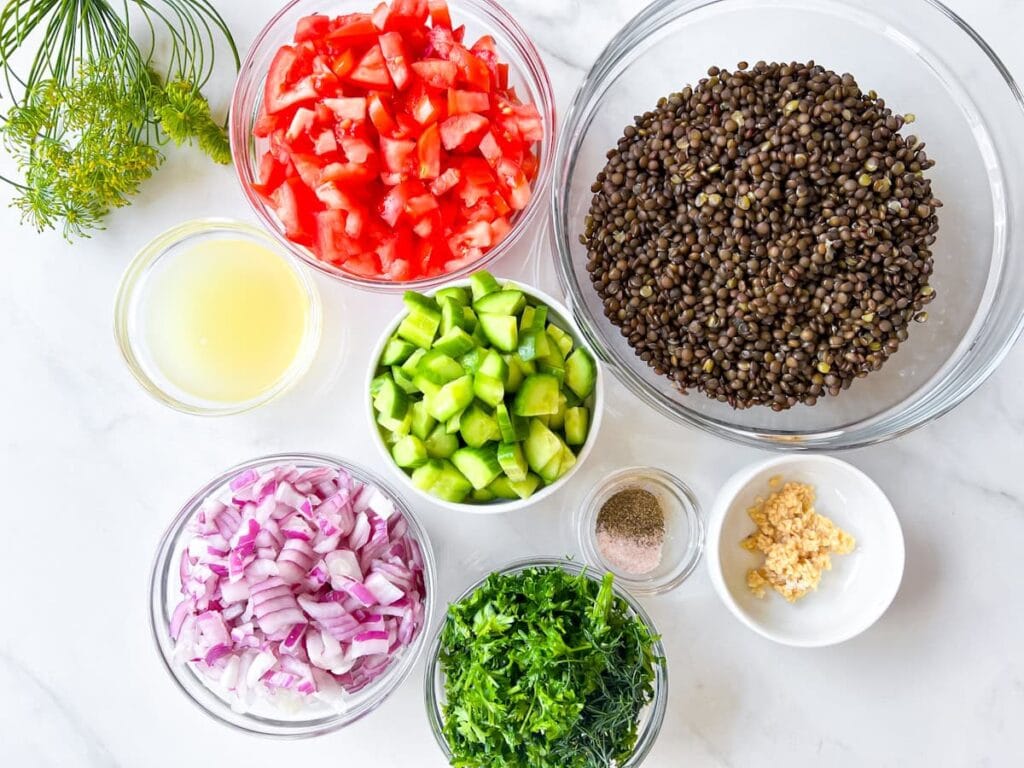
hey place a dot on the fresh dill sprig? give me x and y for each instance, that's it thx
(95, 105)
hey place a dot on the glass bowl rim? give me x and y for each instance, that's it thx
(534, 72)
(690, 510)
(133, 279)
(646, 738)
(159, 589)
(856, 434)
(505, 505)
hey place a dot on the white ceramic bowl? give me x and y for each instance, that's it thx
(563, 318)
(860, 586)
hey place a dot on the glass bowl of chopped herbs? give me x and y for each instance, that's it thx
(546, 664)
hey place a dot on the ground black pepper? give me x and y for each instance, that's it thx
(631, 530)
(764, 237)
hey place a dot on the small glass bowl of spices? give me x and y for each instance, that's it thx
(644, 525)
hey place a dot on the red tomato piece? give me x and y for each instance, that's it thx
(294, 205)
(357, 150)
(515, 183)
(426, 108)
(380, 16)
(462, 102)
(439, 15)
(421, 205)
(397, 154)
(428, 149)
(325, 143)
(440, 41)
(472, 70)
(347, 173)
(490, 149)
(395, 58)
(289, 81)
(312, 27)
(501, 75)
(371, 71)
(302, 122)
(445, 181)
(272, 175)
(347, 108)
(406, 14)
(265, 125)
(437, 73)
(353, 27)
(463, 132)
(379, 115)
(344, 63)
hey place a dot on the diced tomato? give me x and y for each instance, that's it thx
(437, 73)
(347, 108)
(371, 71)
(389, 147)
(395, 58)
(379, 115)
(463, 132)
(344, 63)
(312, 27)
(397, 154)
(356, 27)
(461, 102)
(439, 15)
(426, 108)
(289, 81)
(447, 180)
(428, 149)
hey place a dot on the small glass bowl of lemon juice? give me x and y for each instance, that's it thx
(213, 318)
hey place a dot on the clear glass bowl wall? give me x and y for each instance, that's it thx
(921, 58)
(480, 17)
(651, 718)
(264, 720)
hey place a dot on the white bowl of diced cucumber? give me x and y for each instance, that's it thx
(484, 396)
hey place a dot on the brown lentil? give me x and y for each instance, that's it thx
(761, 229)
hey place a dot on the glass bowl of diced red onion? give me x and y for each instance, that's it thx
(291, 595)
(394, 145)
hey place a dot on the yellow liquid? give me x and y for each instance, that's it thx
(225, 319)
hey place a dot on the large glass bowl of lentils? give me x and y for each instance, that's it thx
(793, 224)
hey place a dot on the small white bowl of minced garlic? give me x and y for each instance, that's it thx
(806, 550)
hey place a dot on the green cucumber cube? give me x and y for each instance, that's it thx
(493, 364)
(538, 396)
(541, 445)
(422, 422)
(412, 362)
(455, 293)
(439, 368)
(409, 452)
(440, 444)
(478, 465)
(425, 476)
(391, 400)
(506, 302)
(455, 342)
(451, 485)
(419, 329)
(403, 380)
(477, 427)
(502, 488)
(482, 283)
(418, 304)
(396, 351)
(511, 427)
(500, 330)
(557, 419)
(452, 398)
(561, 338)
(513, 461)
(581, 373)
(532, 344)
(488, 389)
(577, 424)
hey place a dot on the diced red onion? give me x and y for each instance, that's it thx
(297, 580)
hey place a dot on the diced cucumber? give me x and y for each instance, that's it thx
(527, 367)
(439, 444)
(455, 342)
(396, 428)
(418, 304)
(424, 477)
(479, 465)
(537, 396)
(502, 488)
(452, 398)
(426, 386)
(526, 487)
(501, 303)
(482, 283)
(482, 495)
(561, 338)
(514, 377)
(581, 373)
(478, 427)
(419, 329)
(568, 461)
(403, 380)
(541, 445)
(501, 331)
(577, 423)
(532, 344)
(469, 319)
(471, 360)
(526, 319)
(422, 422)
(555, 369)
(439, 368)
(377, 383)
(557, 419)
(396, 351)
(488, 389)
(456, 293)
(391, 400)
(453, 424)
(512, 428)
(451, 315)
(513, 461)
(451, 485)
(493, 364)
(412, 362)
(409, 452)
(552, 470)
(571, 398)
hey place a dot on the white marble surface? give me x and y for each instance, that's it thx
(92, 469)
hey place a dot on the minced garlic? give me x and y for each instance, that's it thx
(796, 541)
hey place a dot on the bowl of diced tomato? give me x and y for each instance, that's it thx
(396, 146)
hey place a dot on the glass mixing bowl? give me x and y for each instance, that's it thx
(264, 719)
(480, 17)
(922, 59)
(651, 718)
